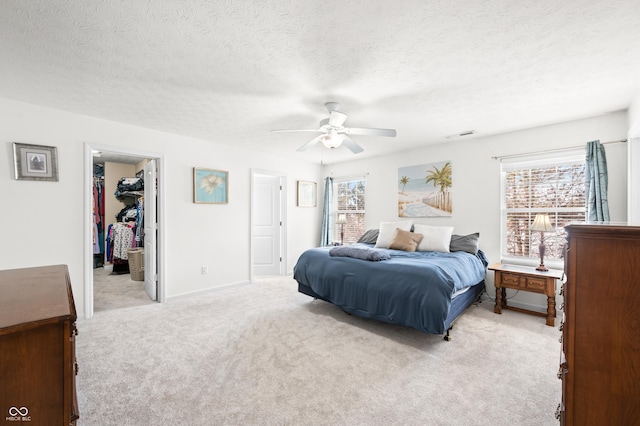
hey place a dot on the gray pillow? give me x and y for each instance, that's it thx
(468, 243)
(369, 237)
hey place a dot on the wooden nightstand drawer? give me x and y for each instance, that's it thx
(510, 280)
(536, 284)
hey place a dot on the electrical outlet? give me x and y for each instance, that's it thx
(205, 270)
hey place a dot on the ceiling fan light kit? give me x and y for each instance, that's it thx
(332, 140)
(335, 134)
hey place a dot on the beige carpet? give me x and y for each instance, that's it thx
(116, 291)
(267, 355)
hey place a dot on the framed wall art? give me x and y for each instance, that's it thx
(210, 186)
(425, 190)
(35, 162)
(307, 194)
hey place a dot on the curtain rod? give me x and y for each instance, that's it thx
(570, 148)
(357, 175)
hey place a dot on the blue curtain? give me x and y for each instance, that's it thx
(325, 236)
(597, 181)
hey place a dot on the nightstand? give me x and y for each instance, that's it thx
(526, 279)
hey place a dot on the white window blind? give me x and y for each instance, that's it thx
(554, 186)
(348, 199)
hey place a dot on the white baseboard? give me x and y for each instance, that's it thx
(527, 306)
(208, 290)
(522, 305)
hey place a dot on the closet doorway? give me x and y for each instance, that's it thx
(123, 259)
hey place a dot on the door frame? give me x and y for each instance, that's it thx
(150, 257)
(88, 225)
(283, 213)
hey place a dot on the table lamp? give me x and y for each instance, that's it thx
(542, 224)
(342, 219)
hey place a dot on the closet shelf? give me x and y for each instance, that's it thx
(128, 194)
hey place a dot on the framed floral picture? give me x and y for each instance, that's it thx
(35, 162)
(210, 186)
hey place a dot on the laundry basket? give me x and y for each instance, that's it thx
(136, 263)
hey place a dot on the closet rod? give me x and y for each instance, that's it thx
(570, 148)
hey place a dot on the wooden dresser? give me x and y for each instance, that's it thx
(600, 359)
(37, 347)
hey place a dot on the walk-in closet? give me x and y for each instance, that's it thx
(118, 236)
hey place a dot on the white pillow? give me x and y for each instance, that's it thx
(435, 238)
(387, 231)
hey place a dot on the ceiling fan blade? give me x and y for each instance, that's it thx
(337, 119)
(310, 143)
(370, 132)
(354, 147)
(296, 130)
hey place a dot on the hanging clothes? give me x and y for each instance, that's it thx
(139, 238)
(98, 219)
(109, 244)
(121, 239)
(126, 233)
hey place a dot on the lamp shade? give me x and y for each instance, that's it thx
(542, 223)
(342, 218)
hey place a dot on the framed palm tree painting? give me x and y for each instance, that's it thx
(425, 190)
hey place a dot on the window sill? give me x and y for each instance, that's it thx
(527, 261)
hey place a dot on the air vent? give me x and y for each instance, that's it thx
(461, 134)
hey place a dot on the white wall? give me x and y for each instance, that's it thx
(634, 158)
(634, 117)
(43, 222)
(476, 178)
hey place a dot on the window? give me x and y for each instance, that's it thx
(348, 199)
(554, 186)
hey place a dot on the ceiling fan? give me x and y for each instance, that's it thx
(334, 134)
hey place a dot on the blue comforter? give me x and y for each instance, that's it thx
(410, 288)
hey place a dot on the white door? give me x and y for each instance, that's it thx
(267, 225)
(150, 227)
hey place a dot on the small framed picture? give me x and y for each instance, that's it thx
(306, 194)
(210, 186)
(35, 162)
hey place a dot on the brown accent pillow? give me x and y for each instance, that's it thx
(405, 240)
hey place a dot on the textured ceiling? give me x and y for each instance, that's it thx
(231, 70)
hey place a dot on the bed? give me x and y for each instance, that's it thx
(425, 290)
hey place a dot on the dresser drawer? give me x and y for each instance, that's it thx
(511, 280)
(536, 284)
